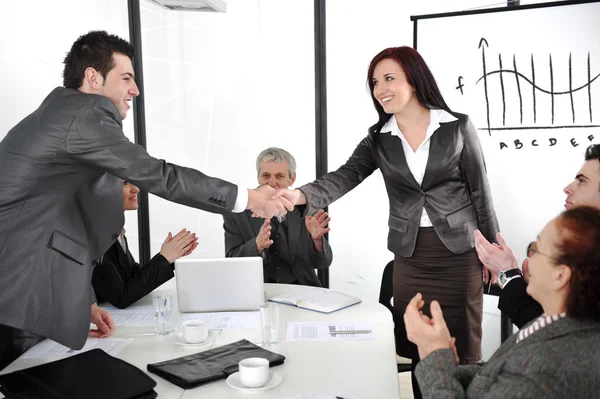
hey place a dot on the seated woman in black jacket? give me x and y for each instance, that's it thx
(120, 280)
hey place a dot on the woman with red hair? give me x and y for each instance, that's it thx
(554, 356)
(436, 180)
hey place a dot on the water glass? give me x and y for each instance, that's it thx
(163, 309)
(269, 323)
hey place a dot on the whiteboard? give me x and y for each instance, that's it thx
(529, 80)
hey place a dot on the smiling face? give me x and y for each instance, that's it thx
(130, 200)
(275, 174)
(391, 88)
(585, 189)
(119, 85)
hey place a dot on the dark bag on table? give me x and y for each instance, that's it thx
(214, 364)
(92, 375)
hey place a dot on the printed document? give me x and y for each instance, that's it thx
(49, 349)
(326, 331)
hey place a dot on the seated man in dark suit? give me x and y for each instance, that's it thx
(291, 248)
(514, 300)
(120, 280)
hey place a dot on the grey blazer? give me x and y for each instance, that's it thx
(455, 190)
(559, 361)
(241, 230)
(61, 207)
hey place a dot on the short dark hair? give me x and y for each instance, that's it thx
(94, 49)
(418, 76)
(592, 152)
(579, 249)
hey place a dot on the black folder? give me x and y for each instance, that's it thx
(92, 375)
(194, 370)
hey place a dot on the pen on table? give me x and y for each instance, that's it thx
(350, 332)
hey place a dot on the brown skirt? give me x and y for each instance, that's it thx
(454, 280)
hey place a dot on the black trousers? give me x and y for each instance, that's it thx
(13, 343)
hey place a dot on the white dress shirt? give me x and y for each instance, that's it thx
(241, 202)
(121, 240)
(417, 160)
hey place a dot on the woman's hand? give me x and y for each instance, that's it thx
(181, 244)
(429, 334)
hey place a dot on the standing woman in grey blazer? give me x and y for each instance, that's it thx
(434, 171)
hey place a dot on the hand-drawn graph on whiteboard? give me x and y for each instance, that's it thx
(534, 92)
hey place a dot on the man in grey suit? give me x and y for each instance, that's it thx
(61, 205)
(291, 248)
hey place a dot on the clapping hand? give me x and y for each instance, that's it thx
(181, 244)
(263, 239)
(495, 258)
(429, 334)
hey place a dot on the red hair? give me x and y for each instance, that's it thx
(418, 76)
(579, 249)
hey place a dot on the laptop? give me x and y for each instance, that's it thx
(219, 284)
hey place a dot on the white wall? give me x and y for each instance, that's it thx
(33, 45)
(220, 88)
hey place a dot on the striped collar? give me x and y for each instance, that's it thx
(540, 323)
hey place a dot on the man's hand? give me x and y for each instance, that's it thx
(429, 334)
(495, 258)
(103, 321)
(317, 227)
(264, 203)
(263, 239)
(296, 196)
(181, 244)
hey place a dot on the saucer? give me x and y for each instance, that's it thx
(177, 337)
(234, 381)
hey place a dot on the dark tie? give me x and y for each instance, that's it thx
(274, 224)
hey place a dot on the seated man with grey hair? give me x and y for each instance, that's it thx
(291, 248)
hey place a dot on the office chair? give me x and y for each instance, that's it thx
(386, 294)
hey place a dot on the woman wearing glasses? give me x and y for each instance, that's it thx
(556, 355)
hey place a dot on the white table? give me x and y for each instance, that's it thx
(350, 369)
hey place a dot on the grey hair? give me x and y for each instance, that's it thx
(277, 155)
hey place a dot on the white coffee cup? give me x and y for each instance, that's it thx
(194, 331)
(254, 372)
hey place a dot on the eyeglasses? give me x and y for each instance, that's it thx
(533, 249)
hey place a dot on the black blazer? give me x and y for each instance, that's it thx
(517, 304)
(120, 280)
(455, 190)
(241, 230)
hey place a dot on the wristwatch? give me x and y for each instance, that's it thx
(506, 275)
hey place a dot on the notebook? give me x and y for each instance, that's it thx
(219, 284)
(324, 301)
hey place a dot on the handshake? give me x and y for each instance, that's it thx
(266, 202)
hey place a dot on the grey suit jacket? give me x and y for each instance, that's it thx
(241, 230)
(454, 191)
(560, 360)
(61, 207)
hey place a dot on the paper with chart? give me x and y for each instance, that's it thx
(137, 316)
(226, 320)
(51, 350)
(324, 331)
